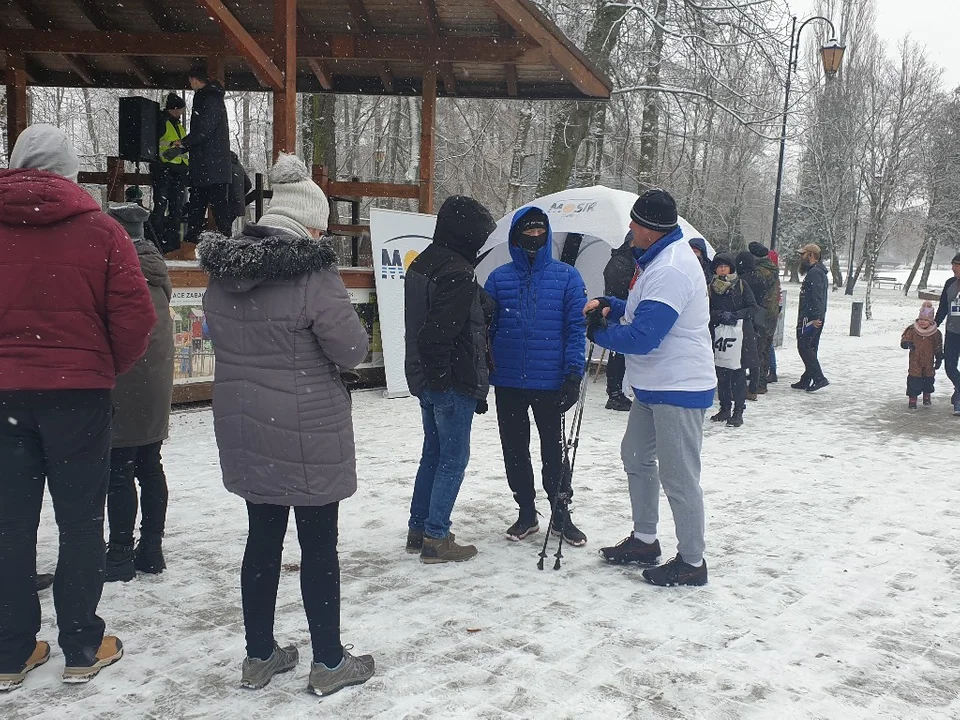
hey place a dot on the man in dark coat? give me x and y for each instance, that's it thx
(617, 276)
(446, 368)
(75, 312)
(208, 143)
(812, 312)
(949, 311)
(770, 302)
(141, 417)
(747, 270)
(240, 187)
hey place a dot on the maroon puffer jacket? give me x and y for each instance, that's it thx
(75, 310)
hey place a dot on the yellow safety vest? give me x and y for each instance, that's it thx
(174, 131)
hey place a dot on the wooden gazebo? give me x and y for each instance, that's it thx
(454, 48)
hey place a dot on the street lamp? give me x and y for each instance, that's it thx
(831, 55)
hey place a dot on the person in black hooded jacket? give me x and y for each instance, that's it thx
(747, 271)
(732, 301)
(446, 315)
(699, 247)
(208, 143)
(617, 277)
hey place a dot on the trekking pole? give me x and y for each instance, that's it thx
(570, 444)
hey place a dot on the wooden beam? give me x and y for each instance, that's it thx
(41, 21)
(102, 21)
(430, 16)
(163, 17)
(335, 190)
(265, 70)
(322, 72)
(360, 17)
(428, 115)
(16, 78)
(385, 48)
(386, 77)
(285, 97)
(527, 20)
(512, 84)
(217, 69)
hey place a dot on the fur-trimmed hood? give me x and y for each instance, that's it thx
(262, 253)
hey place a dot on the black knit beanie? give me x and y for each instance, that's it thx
(655, 210)
(956, 259)
(758, 249)
(174, 102)
(533, 218)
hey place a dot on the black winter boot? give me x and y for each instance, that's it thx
(119, 565)
(723, 415)
(736, 420)
(149, 555)
(619, 402)
(572, 535)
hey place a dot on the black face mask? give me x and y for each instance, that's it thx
(531, 243)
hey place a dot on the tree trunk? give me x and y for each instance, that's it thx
(932, 243)
(650, 124)
(573, 119)
(519, 153)
(916, 266)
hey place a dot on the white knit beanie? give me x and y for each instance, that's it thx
(296, 195)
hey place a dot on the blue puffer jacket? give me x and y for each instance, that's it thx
(538, 334)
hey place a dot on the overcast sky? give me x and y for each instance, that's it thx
(934, 23)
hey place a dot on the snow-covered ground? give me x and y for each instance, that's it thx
(833, 547)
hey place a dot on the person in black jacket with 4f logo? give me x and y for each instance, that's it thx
(813, 311)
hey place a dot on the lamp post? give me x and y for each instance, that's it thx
(831, 55)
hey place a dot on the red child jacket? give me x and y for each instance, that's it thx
(75, 310)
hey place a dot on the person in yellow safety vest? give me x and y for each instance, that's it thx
(169, 176)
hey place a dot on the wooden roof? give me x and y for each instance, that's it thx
(479, 48)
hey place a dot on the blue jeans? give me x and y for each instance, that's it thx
(447, 419)
(773, 359)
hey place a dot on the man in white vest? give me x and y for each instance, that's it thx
(662, 328)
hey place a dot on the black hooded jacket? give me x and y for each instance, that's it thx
(701, 245)
(209, 138)
(619, 271)
(813, 296)
(445, 309)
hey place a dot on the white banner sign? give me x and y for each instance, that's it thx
(397, 238)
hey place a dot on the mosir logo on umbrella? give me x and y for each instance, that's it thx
(572, 207)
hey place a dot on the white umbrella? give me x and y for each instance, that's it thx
(600, 214)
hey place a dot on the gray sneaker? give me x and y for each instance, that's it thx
(258, 673)
(352, 671)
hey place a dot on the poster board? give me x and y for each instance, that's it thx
(397, 238)
(193, 359)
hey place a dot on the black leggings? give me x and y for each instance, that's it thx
(142, 463)
(319, 577)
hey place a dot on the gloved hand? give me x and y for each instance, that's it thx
(482, 407)
(907, 345)
(569, 392)
(728, 318)
(937, 362)
(595, 321)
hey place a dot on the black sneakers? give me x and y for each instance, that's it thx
(818, 385)
(736, 420)
(119, 564)
(801, 384)
(630, 550)
(522, 528)
(572, 535)
(676, 572)
(619, 402)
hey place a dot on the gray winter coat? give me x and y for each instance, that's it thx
(141, 399)
(282, 326)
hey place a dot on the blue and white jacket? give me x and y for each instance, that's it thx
(663, 328)
(538, 334)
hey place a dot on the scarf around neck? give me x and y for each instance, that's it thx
(924, 333)
(722, 285)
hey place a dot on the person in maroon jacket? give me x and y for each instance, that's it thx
(75, 312)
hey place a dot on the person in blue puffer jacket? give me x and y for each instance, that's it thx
(537, 341)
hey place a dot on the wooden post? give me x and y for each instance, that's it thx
(16, 100)
(116, 180)
(428, 116)
(285, 99)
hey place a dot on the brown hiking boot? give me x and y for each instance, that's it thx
(111, 650)
(445, 550)
(41, 653)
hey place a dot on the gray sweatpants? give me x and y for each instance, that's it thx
(662, 446)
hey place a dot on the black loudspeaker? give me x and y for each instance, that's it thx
(138, 129)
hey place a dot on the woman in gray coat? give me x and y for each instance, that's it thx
(141, 416)
(283, 327)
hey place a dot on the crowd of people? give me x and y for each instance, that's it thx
(86, 363)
